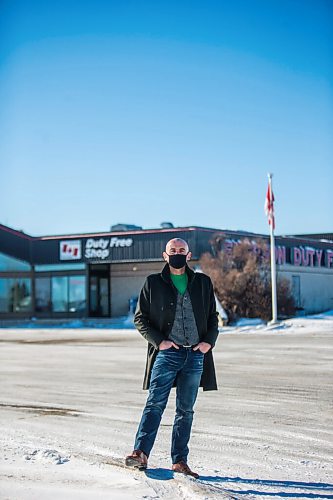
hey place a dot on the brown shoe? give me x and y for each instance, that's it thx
(184, 469)
(137, 459)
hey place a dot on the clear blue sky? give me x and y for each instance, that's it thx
(149, 111)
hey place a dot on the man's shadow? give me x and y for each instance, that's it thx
(159, 474)
(313, 490)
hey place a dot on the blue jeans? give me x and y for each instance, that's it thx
(186, 366)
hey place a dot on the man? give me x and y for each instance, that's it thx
(176, 314)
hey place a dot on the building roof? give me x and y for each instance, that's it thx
(316, 236)
(124, 233)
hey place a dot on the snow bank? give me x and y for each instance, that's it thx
(293, 325)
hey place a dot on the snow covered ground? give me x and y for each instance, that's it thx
(71, 400)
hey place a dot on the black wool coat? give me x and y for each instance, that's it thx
(155, 314)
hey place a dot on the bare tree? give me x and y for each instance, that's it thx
(241, 277)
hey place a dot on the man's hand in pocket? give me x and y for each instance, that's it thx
(203, 347)
(166, 344)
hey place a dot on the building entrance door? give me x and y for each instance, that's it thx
(99, 291)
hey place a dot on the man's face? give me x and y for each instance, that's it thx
(176, 246)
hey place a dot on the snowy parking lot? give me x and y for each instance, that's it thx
(71, 400)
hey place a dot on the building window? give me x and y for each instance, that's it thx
(59, 293)
(43, 295)
(8, 263)
(77, 293)
(15, 294)
(68, 293)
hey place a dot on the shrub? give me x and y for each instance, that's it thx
(242, 280)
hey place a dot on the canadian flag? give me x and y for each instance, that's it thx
(269, 206)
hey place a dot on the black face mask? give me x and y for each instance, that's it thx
(177, 260)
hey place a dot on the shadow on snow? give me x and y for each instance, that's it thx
(318, 490)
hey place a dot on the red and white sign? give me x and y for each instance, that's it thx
(70, 250)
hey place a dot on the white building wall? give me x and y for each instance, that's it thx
(127, 281)
(316, 286)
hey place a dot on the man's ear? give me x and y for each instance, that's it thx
(165, 256)
(189, 256)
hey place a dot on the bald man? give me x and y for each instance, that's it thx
(176, 314)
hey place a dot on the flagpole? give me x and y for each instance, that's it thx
(273, 261)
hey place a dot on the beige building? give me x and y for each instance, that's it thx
(100, 274)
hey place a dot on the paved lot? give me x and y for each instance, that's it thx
(267, 431)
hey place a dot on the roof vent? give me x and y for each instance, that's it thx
(167, 225)
(125, 227)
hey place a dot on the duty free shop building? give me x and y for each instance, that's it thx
(97, 274)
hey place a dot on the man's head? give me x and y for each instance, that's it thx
(178, 247)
